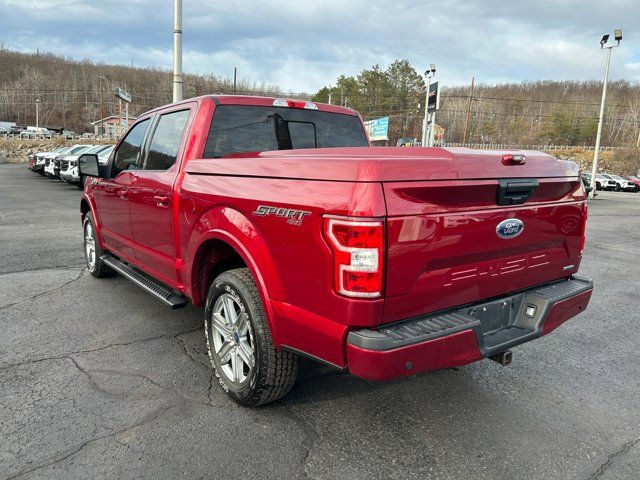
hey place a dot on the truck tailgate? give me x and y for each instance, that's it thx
(444, 247)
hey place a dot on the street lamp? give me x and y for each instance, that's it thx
(617, 35)
(428, 74)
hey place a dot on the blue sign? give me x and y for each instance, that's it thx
(377, 129)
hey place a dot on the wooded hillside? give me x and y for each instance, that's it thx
(541, 112)
(70, 90)
(529, 113)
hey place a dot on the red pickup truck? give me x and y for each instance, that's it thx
(298, 238)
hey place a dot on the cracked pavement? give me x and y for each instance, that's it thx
(100, 380)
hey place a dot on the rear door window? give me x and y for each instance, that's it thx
(167, 137)
(241, 129)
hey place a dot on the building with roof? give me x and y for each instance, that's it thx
(111, 124)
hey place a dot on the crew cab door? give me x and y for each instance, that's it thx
(112, 194)
(151, 196)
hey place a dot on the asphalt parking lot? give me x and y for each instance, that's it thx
(99, 380)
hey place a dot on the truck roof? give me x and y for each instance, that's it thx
(255, 100)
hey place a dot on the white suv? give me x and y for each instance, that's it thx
(623, 184)
(53, 170)
(69, 163)
(41, 157)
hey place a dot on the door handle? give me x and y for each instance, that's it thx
(161, 199)
(122, 194)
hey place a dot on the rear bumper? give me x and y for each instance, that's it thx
(466, 334)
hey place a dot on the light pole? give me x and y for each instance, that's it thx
(429, 73)
(37, 112)
(617, 35)
(177, 50)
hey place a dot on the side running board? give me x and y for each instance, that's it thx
(147, 283)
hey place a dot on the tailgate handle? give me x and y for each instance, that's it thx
(515, 191)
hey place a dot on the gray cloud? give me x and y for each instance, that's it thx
(302, 46)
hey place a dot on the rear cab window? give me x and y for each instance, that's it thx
(239, 129)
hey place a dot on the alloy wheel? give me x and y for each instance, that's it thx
(233, 342)
(89, 246)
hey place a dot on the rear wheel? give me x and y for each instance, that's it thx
(248, 366)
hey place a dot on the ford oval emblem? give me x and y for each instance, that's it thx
(510, 228)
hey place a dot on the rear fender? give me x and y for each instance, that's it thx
(235, 229)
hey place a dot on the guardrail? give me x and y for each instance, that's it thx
(500, 146)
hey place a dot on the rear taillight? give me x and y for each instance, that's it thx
(583, 240)
(357, 247)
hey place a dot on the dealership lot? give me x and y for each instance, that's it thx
(101, 380)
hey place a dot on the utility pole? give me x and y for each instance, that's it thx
(466, 124)
(235, 73)
(594, 167)
(37, 112)
(119, 117)
(177, 50)
(101, 105)
(331, 93)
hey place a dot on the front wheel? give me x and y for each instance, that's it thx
(92, 250)
(248, 366)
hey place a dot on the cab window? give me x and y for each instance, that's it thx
(127, 156)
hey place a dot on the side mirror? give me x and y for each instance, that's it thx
(88, 166)
(588, 188)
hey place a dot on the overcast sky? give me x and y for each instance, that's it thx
(305, 44)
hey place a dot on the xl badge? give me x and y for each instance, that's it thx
(294, 217)
(510, 228)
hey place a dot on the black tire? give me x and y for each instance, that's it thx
(274, 372)
(41, 172)
(97, 268)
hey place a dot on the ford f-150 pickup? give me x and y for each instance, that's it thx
(298, 238)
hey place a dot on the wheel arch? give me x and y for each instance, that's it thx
(229, 249)
(84, 208)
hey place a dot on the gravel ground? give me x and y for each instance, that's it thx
(99, 380)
